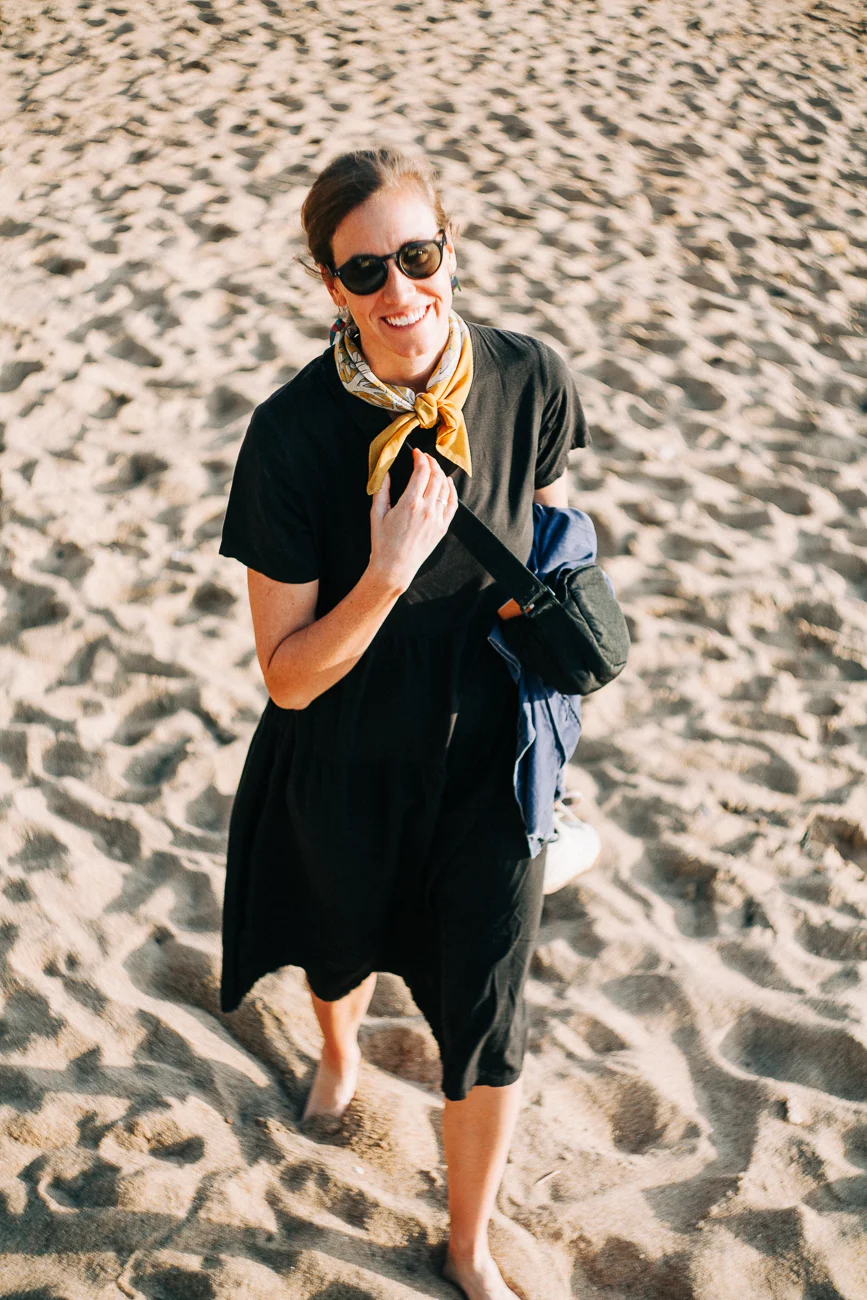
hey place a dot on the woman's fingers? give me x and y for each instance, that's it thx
(428, 482)
(436, 488)
(430, 486)
(447, 499)
(420, 475)
(381, 500)
(452, 503)
(403, 535)
(437, 484)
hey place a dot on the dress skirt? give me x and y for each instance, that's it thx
(378, 830)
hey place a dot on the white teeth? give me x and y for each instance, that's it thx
(406, 320)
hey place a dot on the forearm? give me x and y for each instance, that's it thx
(312, 659)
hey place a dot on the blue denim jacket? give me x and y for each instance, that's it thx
(549, 723)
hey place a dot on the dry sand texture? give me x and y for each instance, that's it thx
(674, 195)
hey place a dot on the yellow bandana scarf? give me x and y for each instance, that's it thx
(439, 406)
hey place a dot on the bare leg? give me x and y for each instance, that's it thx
(476, 1135)
(334, 1085)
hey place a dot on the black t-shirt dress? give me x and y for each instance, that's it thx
(378, 828)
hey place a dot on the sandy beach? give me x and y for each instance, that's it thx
(674, 196)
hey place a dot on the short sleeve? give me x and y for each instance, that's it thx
(267, 525)
(563, 425)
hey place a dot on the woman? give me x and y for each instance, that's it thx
(376, 826)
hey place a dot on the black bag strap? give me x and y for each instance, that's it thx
(493, 554)
(503, 566)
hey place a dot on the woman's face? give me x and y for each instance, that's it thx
(404, 325)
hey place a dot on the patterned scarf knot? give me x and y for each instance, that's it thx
(440, 406)
(427, 410)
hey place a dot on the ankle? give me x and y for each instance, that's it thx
(471, 1253)
(340, 1058)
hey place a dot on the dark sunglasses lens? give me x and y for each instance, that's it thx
(364, 274)
(420, 260)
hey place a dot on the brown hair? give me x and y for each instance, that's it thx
(352, 178)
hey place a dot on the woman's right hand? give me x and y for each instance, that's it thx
(403, 536)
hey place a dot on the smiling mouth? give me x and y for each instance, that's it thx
(407, 319)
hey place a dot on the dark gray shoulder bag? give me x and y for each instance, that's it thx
(573, 635)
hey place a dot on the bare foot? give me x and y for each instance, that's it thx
(479, 1280)
(333, 1087)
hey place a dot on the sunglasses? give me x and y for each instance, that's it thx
(365, 273)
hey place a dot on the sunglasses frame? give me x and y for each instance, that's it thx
(441, 239)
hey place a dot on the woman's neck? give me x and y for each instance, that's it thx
(403, 372)
(406, 372)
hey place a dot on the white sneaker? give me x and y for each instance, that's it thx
(575, 849)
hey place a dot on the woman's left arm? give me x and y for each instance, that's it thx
(555, 494)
